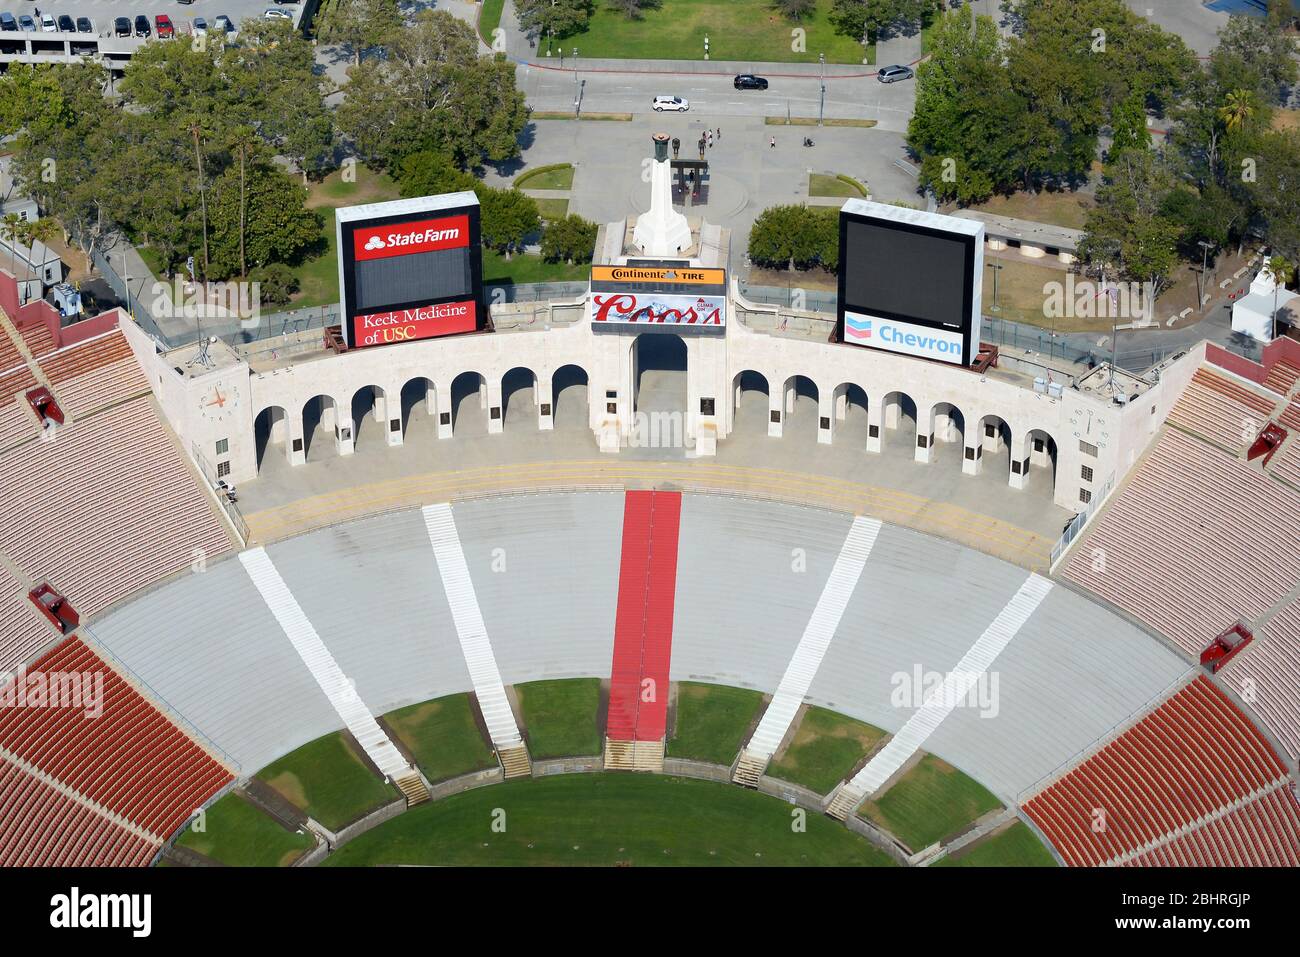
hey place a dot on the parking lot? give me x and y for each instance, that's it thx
(95, 34)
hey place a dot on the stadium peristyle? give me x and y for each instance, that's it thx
(645, 571)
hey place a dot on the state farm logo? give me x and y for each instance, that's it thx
(402, 239)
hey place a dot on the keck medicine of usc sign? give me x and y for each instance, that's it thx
(421, 322)
(405, 239)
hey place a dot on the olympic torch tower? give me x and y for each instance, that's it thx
(662, 231)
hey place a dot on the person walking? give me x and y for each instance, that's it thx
(719, 134)
(709, 134)
(677, 146)
(773, 144)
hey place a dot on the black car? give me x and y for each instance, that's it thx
(747, 81)
(84, 25)
(121, 27)
(142, 28)
(66, 25)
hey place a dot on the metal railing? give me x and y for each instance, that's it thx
(210, 475)
(1080, 520)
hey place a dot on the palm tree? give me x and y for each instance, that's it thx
(1282, 272)
(243, 140)
(1237, 110)
(197, 130)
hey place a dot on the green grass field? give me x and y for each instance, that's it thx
(608, 819)
(824, 749)
(489, 18)
(558, 176)
(442, 736)
(552, 208)
(238, 834)
(930, 802)
(750, 31)
(1017, 846)
(318, 277)
(525, 268)
(711, 721)
(825, 184)
(327, 780)
(561, 716)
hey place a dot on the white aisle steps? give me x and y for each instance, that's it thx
(340, 691)
(807, 657)
(474, 643)
(943, 699)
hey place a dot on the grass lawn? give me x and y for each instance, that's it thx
(824, 749)
(561, 716)
(607, 819)
(568, 115)
(824, 184)
(318, 277)
(524, 267)
(1058, 208)
(930, 802)
(327, 780)
(442, 736)
(553, 208)
(240, 835)
(711, 721)
(812, 121)
(1016, 846)
(559, 176)
(746, 30)
(489, 18)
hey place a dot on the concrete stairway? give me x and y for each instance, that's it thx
(515, 762)
(634, 755)
(843, 803)
(412, 785)
(749, 769)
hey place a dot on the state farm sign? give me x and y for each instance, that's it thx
(655, 309)
(421, 322)
(417, 236)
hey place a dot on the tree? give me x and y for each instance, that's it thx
(1237, 111)
(795, 9)
(1255, 55)
(426, 173)
(1276, 192)
(359, 25)
(1127, 231)
(1128, 127)
(866, 18)
(276, 284)
(795, 237)
(279, 226)
(1283, 272)
(508, 218)
(571, 239)
(559, 18)
(433, 92)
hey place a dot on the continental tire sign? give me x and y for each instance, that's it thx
(659, 295)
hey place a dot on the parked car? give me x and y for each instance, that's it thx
(121, 27)
(199, 27)
(223, 23)
(275, 13)
(747, 81)
(84, 25)
(673, 104)
(66, 25)
(142, 28)
(25, 22)
(163, 24)
(47, 23)
(8, 21)
(187, 2)
(892, 74)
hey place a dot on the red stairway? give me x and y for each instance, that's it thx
(643, 626)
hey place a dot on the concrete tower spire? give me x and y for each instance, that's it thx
(662, 231)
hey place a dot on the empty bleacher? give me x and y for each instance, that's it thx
(1267, 676)
(1263, 833)
(106, 507)
(42, 826)
(1285, 464)
(23, 632)
(93, 374)
(1281, 377)
(1192, 761)
(107, 742)
(1225, 412)
(1193, 541)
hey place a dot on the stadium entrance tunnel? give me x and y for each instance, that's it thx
(418, 393)
(517, 386)
(800, 402)
(469, 402)
(751, 401)
(850, 425)
(569, 398)
(1038, 462)
(899, 425)
(271, 434)
(658, 373)
(947, 433)
(369, 418)
(319, 422)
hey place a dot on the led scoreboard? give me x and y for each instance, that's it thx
(410, 269)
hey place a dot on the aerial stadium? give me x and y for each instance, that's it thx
(655, 574)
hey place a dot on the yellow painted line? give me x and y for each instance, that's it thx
(982, 532)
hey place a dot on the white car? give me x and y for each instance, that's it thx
(274, 13)
(48, 25)
(673, 104)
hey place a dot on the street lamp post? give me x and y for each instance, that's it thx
(821, 107)
(997, 268)
(1200, 284)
